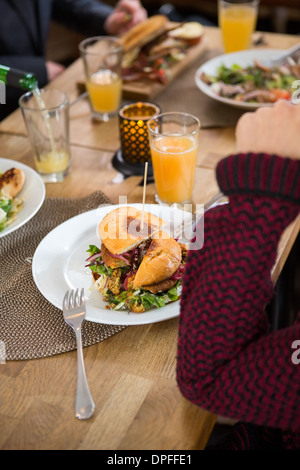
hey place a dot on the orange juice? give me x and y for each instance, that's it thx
(104, 88)
(237, 23)
(174, 161)
(53, 162)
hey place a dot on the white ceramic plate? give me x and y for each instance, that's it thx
(243, 58)
(32, 193)
(59, 265)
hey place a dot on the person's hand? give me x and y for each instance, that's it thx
(53, 69)
(273, 130)
(126, 14)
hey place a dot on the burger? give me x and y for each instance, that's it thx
(138, 266)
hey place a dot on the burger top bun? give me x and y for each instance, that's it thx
(121, 229)
(144, 32)
(162, 259)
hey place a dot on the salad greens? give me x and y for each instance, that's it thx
(127, 297)
(260, 78)
(143, 298)
(255, 83)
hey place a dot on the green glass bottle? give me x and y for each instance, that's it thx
(18, 78)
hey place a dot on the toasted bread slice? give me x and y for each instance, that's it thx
(162, 259)
(191, 32)
(144, 32)
(11, 182)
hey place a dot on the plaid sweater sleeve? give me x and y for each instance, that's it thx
(228, 361)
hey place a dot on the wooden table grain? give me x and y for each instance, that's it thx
(132, 374)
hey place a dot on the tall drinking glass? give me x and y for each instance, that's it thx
(174, 144)
(102, 59)
(46, 115)
(237, 20)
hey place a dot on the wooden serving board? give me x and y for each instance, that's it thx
(145, 89)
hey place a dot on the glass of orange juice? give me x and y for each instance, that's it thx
(237, 20)
(174, 144)
(46, 115)
(102, 59)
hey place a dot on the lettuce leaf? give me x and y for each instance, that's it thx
(6, 204)
(146, 298)
(93, 249)
(3, 225)
(173, 293)
(100, 269)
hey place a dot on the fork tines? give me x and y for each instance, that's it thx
(75, 299)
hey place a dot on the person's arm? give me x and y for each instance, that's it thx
(93, 18)
(227, 360)
(83, 16)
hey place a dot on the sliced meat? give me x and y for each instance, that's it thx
(205, 78)
(261, 96)
(226, 90)
(261, 66)
(295, 69)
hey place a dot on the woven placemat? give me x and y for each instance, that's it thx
(31, 327)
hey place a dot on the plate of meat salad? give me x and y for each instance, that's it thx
(245, 80)
(22, 193)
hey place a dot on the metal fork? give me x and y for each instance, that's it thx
(179, 232)
(286, 55)
(74, 314)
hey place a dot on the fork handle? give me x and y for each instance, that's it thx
(288, 53)
(84, 405)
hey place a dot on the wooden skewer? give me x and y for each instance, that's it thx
(144, 192)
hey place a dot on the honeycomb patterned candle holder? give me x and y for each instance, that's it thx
(133, 119)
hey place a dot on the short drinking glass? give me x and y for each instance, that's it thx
(46, 115)
(237, 20)
(102, 59)
(174, 144)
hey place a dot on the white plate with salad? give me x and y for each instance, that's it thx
(31, 197)
(240, 79)
(60, 264)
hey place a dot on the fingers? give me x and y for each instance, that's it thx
(270, 129)
(53, 69)
(126, 14)
(131, 7)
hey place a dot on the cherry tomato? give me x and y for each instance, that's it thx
(281, 94)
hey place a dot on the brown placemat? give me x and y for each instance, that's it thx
(31, 327)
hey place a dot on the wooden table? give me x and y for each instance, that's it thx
(132, 374)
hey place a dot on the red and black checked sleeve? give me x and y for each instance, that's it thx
(228, 361)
